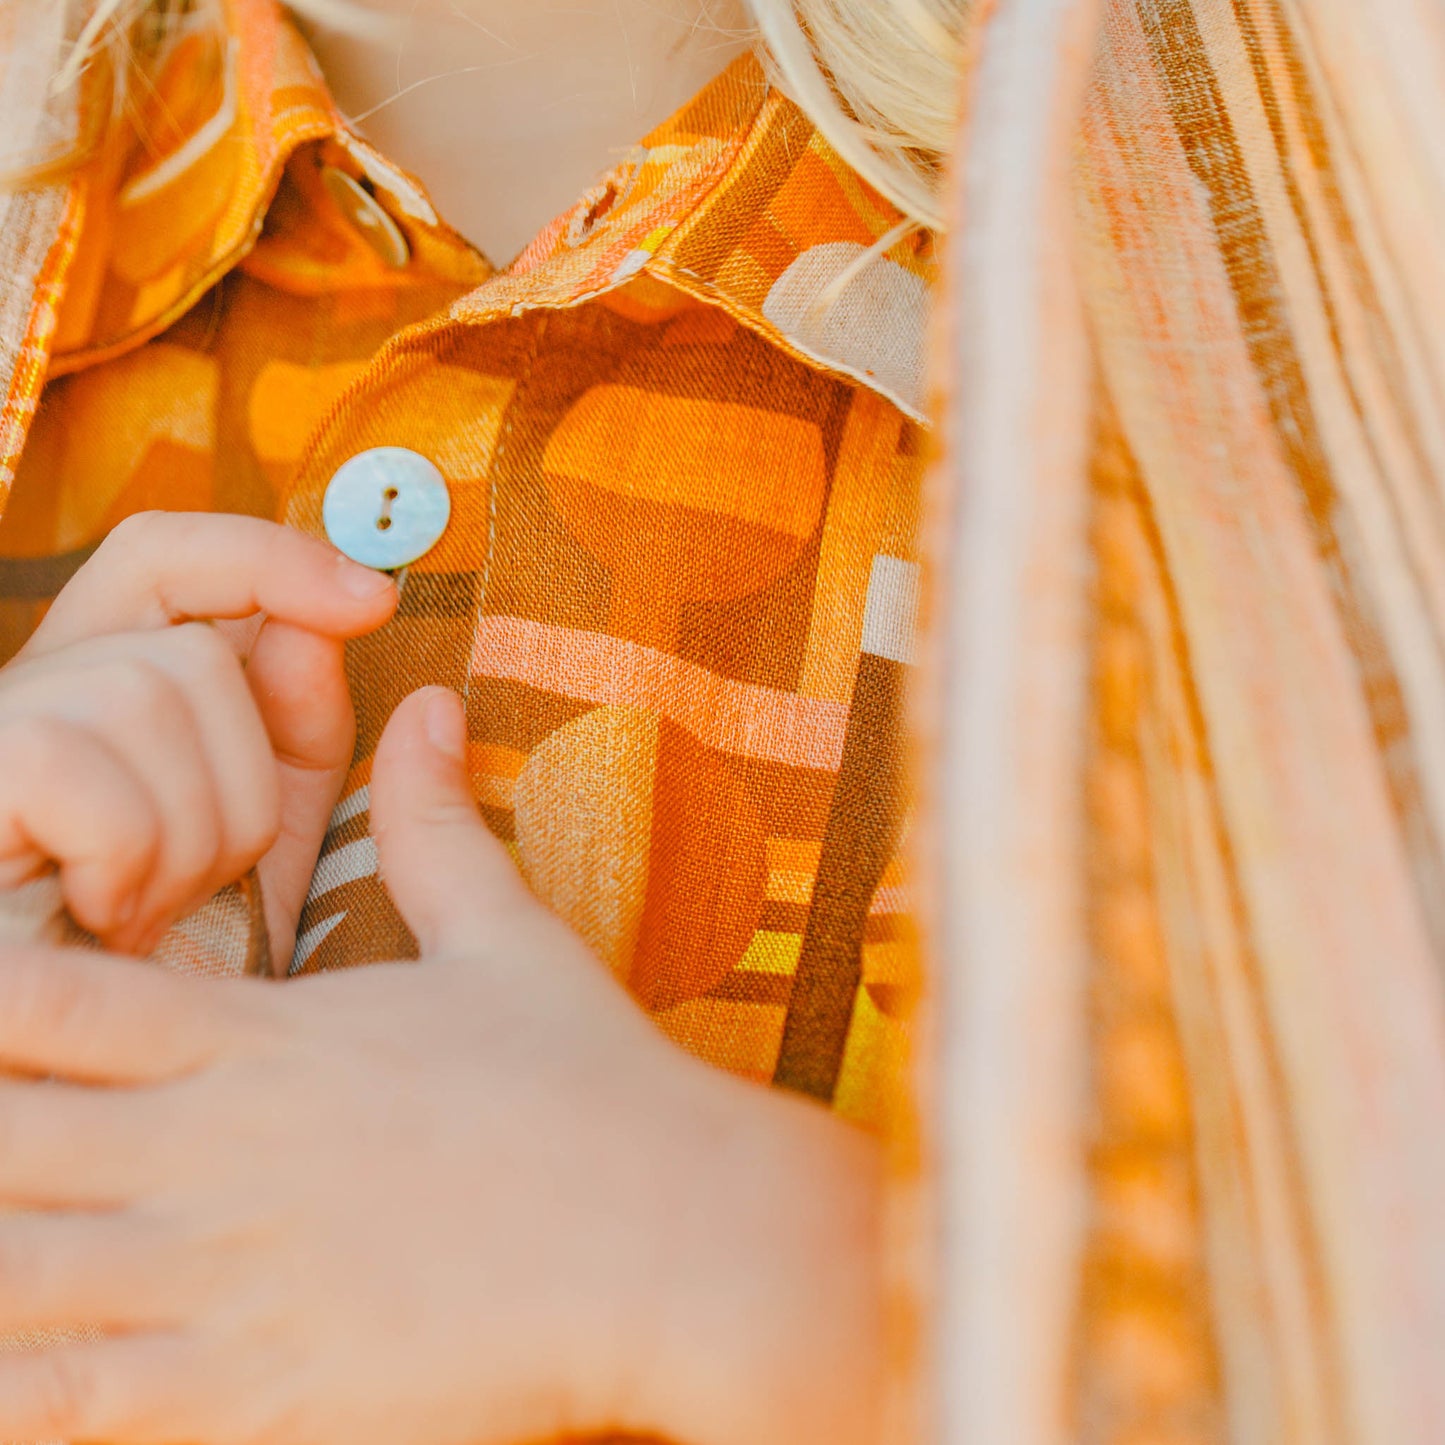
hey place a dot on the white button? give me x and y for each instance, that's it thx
(386, 507)
(368, 215)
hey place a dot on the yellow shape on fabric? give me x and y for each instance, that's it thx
(647, 300)
(770, 952)
(95, 448)
(872, 1059)
(153, 296)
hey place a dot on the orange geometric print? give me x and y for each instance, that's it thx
(668, 511)
(685, 518)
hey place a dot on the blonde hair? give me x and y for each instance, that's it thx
(878, 77)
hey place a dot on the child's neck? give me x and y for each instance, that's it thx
(521, 106)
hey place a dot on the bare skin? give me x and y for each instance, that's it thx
(508, 110)
(472, 1201)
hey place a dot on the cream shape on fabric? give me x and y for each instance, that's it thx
(873, 328)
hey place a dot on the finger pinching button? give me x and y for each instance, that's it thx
(386, 507)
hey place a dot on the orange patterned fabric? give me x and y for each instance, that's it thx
(678, 586)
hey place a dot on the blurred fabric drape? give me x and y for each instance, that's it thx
(1178, 1172)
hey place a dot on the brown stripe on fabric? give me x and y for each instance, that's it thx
(1321, 159)
(438, 594)
(779, 917)
(353, 830)
(369, 930)
(744, 986)
(40, 579)
(1208, 140)
(862, 835)
(515, 713)
(259, 963)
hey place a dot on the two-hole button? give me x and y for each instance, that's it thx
(386, 507)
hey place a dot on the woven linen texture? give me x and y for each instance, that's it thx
(679, 585)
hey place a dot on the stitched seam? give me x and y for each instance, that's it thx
(493, 487)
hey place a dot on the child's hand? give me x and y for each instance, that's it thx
(140, 756)
(476, 1198)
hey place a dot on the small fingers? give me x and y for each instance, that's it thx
(151, 722)
(67, 795)
(174, 710)
(98, 1018)
(114, 1270)
(299, 683)
(449, 877)
(235, 752)
(69, 1147)
(159, 568)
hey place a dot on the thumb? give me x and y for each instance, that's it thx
(450, 879)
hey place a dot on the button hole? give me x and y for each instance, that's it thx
(383, 522)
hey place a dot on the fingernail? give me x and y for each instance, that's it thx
(363, 582)
(446, 724)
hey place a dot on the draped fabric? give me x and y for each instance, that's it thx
(1185, 1079)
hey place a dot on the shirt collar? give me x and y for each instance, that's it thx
(737, 200)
